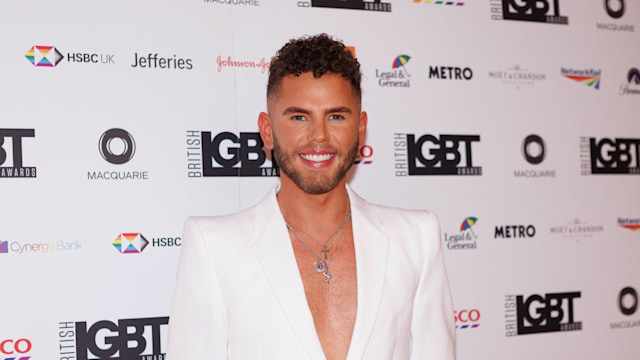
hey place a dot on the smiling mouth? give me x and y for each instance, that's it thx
(316, 157)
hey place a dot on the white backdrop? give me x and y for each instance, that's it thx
(70, 293)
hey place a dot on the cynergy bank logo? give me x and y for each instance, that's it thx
(589, 77)
(16, 247)
(398, 76)
(13, 152)
(375, 5)
(434, 155)
(544, 11)
(539, 314)
(607, 156)
(227, 154)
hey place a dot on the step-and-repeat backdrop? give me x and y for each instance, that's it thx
(515, 120)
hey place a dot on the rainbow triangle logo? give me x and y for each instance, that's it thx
(47, 56)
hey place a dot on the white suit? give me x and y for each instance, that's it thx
(239, 294)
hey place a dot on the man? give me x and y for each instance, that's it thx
(313, 271)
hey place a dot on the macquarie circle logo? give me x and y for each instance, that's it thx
(536, 314)
(130, 243)
(589, 77)
(615, 9)
(126, 339)
(465, 238)
(434, 154)
(397, 76)
(227, 154)
(534, 153)
(606, 156)
(15, 349)
(47, 56)
(544, 11)
(117, 147)
(375, 5)
(632, 87)
(11, 154)
(628, 305)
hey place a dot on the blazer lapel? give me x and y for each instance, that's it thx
(371, 247)
(275, 254)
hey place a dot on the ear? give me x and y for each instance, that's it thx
(362, 127)
(266, 131)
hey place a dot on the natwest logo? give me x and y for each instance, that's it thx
(545, 11)
(227, 154)
(539, 314)
(610, 156)
(16, 349)
(467, 319)
(16, 170)
(375, 5)
(435, 155)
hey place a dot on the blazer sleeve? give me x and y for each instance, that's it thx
(433, 326)
(198, 321)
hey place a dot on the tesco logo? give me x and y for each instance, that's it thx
(467, 318)
(12, 347)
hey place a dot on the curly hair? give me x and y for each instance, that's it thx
(319, 54)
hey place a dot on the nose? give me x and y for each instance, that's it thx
(318, 131)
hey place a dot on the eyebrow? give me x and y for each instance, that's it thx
(298, 110)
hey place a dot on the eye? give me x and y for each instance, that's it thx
(336, 117)
(298, 117)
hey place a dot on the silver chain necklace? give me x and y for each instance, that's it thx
(322, 265)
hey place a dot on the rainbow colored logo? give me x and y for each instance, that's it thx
(589, 77)
(130, 243)
(44, 56)
(437, 2)
(631, 224)
(4, 247)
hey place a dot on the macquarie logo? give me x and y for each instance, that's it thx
(588, 77)
(534, 152)
(543, 11)
(46, 56)
(11, 154)
(615, 9)
(606, 156)
(117, 147)
(628, 305)
(130, 243)
(128, 339)
(450, 73)
(397, 76)
(375, 5)
(536, 314)
(434, 154)
(227, 154)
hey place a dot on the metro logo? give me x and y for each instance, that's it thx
(47, 56)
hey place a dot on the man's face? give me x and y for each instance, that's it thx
(314, 127)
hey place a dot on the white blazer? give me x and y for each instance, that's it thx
(239, 294)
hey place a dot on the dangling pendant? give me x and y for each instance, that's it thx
(320, 265)
(327, 275)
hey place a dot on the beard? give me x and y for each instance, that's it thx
(314, 182)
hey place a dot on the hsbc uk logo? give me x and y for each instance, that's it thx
(130, 243)
(540, 313)
(544, 11)
(47, 56)
(609, 156)
(435, 155)
(227, 154)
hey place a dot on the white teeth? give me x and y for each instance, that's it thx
(316, 158)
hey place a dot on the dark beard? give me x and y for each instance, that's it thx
(313, 184)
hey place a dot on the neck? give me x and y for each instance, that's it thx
(317, 214)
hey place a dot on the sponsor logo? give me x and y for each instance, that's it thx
(628, 305)
(545, 11)
(517, 76)
(576, 229)
(589, 77)
(227, 154)
(534, 152)
(615, 9)
(467, 319)
(456, 3)
(16, 170)
(398, 76)
(155, 61)
(128, 339)
(631, 224)
(364, 156)
(514, 231)
(540, 314)
(4, 247)
(235, 2)
(130, 243)
(434, 155)
(15, 349)
(450, 73)
(375, 5)
(633, 85)
(465, 239)
(47, 56)
(609, 156)
(14, 247)
(262, 64)
(117, 147)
